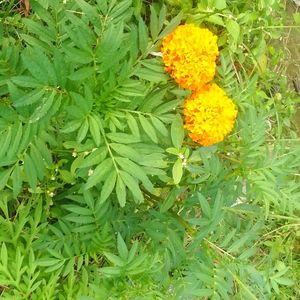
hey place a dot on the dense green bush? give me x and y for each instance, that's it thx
(103, 195)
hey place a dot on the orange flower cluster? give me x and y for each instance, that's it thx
(209, 115)
(189, 55)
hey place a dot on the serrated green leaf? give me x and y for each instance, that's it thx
(108, 186)
(99, 173)
(17, 181)
(285, 281)
(30, 171)
(234, 29)
(153, 100)
(151, 75)
(78, 210)
(154, 26)
(46, 262)
(95, 130)
(55, 267)
(37, 62)
(34, 42)
(71, 126)
(177, 132)
(173, 151)
(80, 219)
(56, 231)
(130, 92)
(30, 98)
(80, 34)
(76, 164)
(122, 248)
(43, 108)
(121, 191)
(85, 228)
(67, 176)
(148, 128)
(55, 253)
(135, 170)
(60, 67)
(26, 81)
(120, 9)
(162, 17)
(204, 205)
(5, 142)
(153, 64)
(114, 259)
(227, 238)
(132, 185)
(82, 74)
(160, 126)
(217, 208)
(171, 26)
(111, 271)
(143, 35)
(154, 160)
(78, 56)
(83, 103)
(94, 158)
(133, 125)
(126, 151)
(69, 267)
(203, 293)
(166, 107)
(168, 202)
(215, 19)
(136, 265)
(89, 199)
(177, 171)
(29, 132)
(238, 244)
(38, 161)
(13, 150)
(133, 251)
(88, 9)
(82, 132)
(4, 256)
(108, 51)
(123, 138)
(44, 33)
(43, 149)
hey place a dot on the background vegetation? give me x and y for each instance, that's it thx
(102, 194)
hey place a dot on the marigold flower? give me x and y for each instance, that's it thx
(189, 55)
(209, 115)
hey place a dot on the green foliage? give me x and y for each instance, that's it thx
(103, 195)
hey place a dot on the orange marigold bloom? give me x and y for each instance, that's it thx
(209, 115)
(189, 55)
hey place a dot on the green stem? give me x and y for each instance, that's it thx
(220, 250)
(138, 112)
(241, 284)
(229, 158)
(108, 147)
(274, 27)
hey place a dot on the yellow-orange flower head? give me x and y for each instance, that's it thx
(209, 115)
(189, 55)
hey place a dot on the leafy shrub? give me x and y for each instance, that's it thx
(102, 194)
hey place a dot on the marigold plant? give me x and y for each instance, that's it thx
(209, 115)
(101, 197)
(189, 55)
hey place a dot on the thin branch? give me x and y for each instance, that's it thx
(222, 251)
